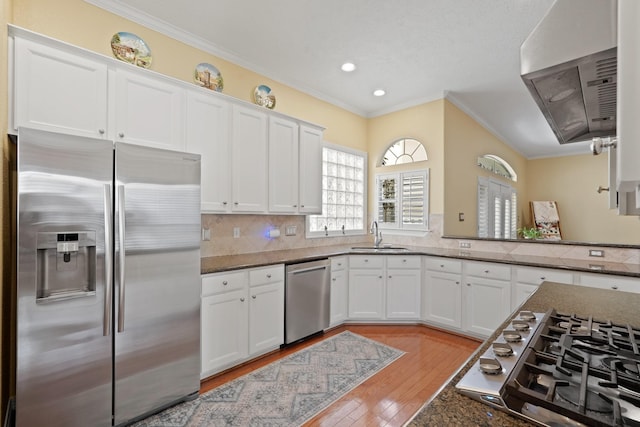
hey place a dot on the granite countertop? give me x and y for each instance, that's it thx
(232, 262)
(450, 408)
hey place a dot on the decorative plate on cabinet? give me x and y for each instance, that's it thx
(262, 96)
(206, 75)
(130, 48)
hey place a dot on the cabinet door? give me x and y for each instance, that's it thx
(310, 185)
(208, 135)
(443, 298)
(522, 291)
(266, 317)
(59, 91)
(488, 303)
(148, 111)
(366, 294)
(249, 160)
(403, 294)
(283, 165)
(529, 278)
(224, 331)
(339, 297)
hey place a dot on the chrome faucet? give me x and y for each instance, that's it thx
(378, 235)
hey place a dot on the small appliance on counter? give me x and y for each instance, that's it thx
(108, 280)
(561, 369)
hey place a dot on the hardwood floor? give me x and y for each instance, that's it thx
(392, 396)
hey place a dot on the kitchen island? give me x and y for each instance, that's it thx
(450, 408)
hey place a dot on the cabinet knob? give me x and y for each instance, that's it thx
(339, 264)
(486, 271)
(468, 284)
(224, 203)
(225, 283)
(457, 283)
(121, 134)
(242, 299)
(334, 279)
(614, 287)
(302, 206)
(404, 260)
(235, 203)
(441, 265)
(542, 278)
(379, 277)
(253, 296)
(295, 206)
(101, 131)
(389, 277)
(269, 276)
(366, 260)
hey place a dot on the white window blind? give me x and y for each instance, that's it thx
(402, 200)
(497, 209)
(343, 193)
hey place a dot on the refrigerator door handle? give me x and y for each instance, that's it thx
(121, 257)
(108, 260)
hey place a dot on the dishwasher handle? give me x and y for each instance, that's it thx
(304, 270)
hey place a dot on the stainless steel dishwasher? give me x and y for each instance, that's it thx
(307, 299)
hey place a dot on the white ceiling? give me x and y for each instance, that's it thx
(417, 50)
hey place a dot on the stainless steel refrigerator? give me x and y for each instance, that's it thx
(108, 282)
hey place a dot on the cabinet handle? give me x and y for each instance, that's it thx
(253, 296)
(225, 283)
(121, 134)
(101, 131)
(242, 299)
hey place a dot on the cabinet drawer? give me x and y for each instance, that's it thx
(366, 261)
(338, 263)
(401, 261)
(444, 264)
(535, 276)
(262, 276)
(494, 271)
(223, 282)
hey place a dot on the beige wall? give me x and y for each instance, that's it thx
(424, 123)
(466, 140)
(584, 215)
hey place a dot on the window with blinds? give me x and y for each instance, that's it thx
(343, 193)
(402, 200)
(497, 209)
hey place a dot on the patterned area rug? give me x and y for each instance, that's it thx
(287, 392)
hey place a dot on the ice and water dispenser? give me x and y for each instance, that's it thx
(66, 265)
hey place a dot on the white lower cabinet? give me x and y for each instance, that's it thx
(384, 287)
(442, 300)
(242, 316)
(527, 280)
(339, 291)
(486, 296)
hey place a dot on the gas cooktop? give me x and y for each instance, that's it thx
(561, 369)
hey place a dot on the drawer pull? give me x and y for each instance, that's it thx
(542, 278)
(242, 299)
(253, 296)
(379, 277)
(366, 260)
(441, 265)
(404, 260)
(486, 271)
(334, 279)
(457, 283)
(614, 287)
(269, 276)
(225, 283)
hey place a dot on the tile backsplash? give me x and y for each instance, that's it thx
(253, 237)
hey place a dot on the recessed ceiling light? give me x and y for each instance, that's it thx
(379, 92)
(348, 67)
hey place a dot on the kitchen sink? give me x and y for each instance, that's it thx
(384, 249)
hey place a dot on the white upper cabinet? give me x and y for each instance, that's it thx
(310, 170)
(283, 165)
(249, 160)
(59, 91)
(208, 135)
(148, 111)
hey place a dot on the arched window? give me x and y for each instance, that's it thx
(403, 151)
(498, 166)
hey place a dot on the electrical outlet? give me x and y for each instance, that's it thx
(465, 245)
(596, 252)
(290, 230)
(236, 232)
(206, 234)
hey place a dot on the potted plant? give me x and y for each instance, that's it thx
(530, 233)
